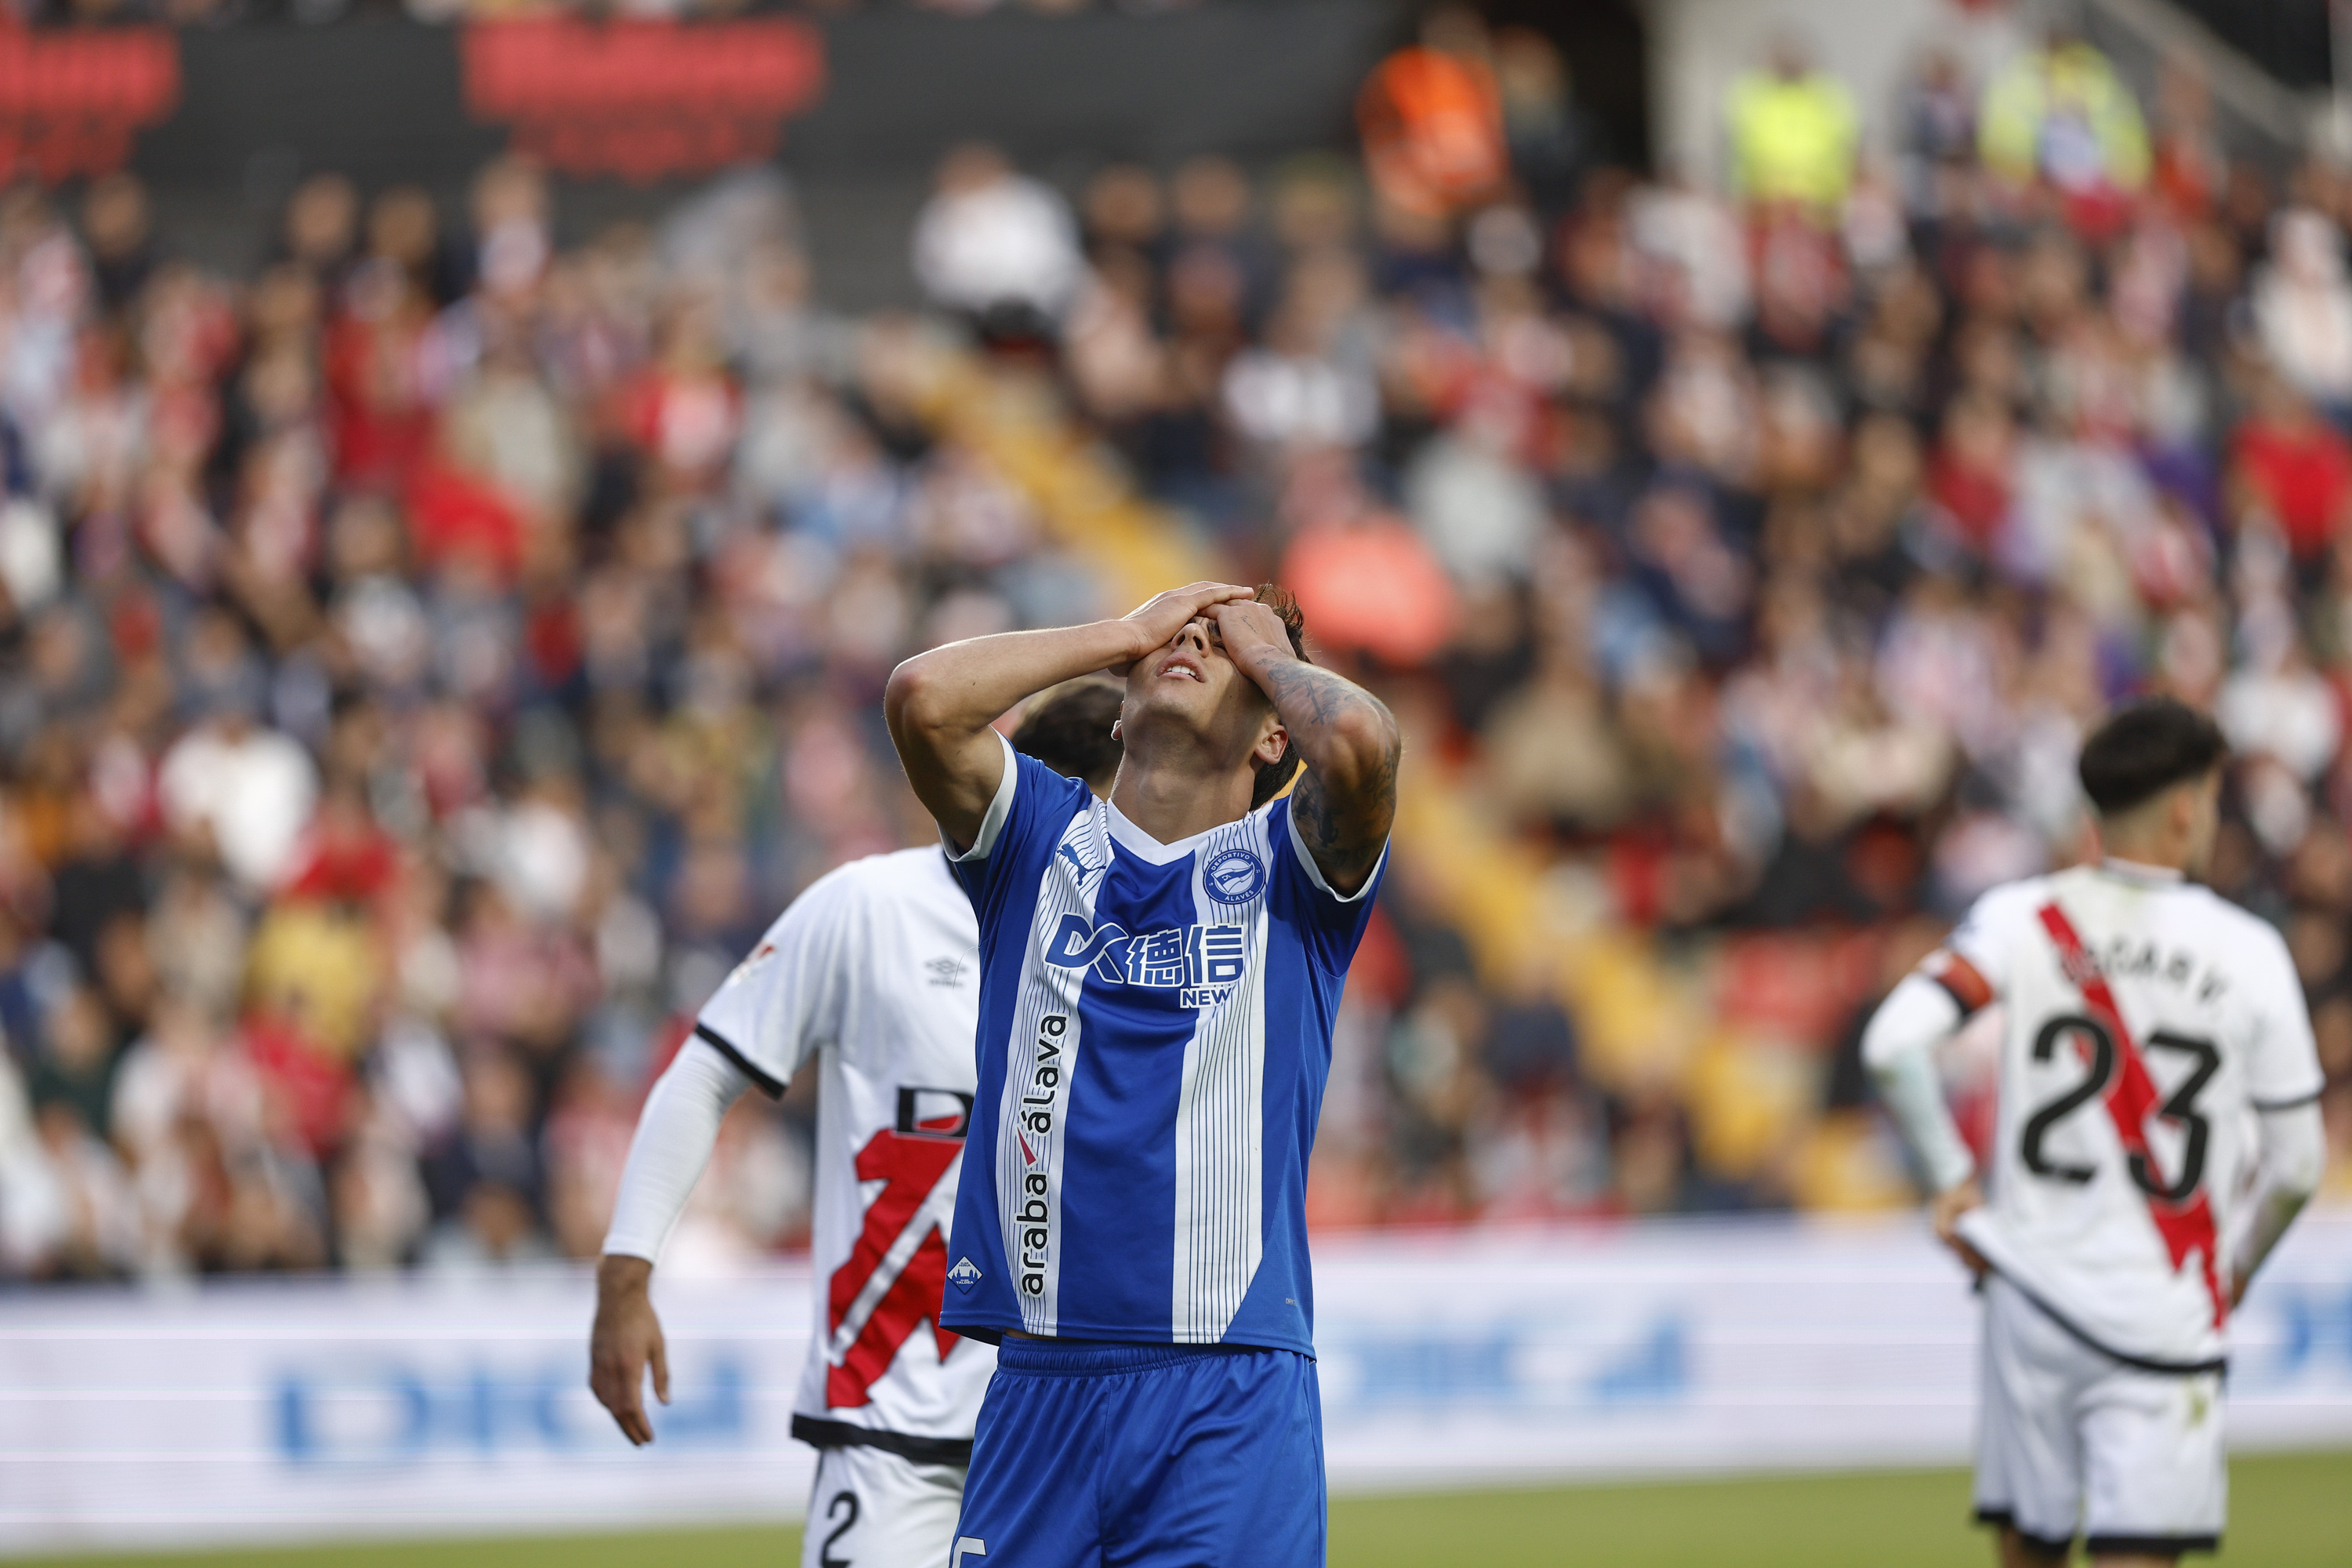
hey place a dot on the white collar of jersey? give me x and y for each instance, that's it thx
(1143, 847)
(2139, 871)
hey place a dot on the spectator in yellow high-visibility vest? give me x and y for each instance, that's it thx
(2059, 113)
(1793, 132)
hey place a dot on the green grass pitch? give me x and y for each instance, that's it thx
(2285, 1512)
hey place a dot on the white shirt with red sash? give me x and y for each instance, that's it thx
(2145, 1021)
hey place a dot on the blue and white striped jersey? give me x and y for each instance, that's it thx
(1155, 1032)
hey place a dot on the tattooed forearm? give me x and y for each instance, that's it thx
(1348, 739)
(1304, 694)
(1345, 835)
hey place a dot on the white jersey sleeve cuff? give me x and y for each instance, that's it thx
(1000, 809)
(1315, 872)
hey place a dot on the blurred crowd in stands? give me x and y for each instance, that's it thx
(428, 661)
(320, 13)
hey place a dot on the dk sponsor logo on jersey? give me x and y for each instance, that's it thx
(1202, 962)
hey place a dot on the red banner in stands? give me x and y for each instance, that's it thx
(71, 103)
(642, 99)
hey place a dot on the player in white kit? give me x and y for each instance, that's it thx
(2158, 1129)
(873, 972)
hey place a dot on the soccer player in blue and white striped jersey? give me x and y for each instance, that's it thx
(1160, 971)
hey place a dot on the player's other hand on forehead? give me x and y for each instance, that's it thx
(1239, 625)
(1162, 616)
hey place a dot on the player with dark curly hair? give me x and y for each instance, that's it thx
(1160, 971)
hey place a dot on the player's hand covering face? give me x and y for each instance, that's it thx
(1237, 625)
(1192, 682)
(1158, 620)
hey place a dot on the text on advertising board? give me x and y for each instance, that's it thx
(641, 100)
(71, 103)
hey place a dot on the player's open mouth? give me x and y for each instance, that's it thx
(1181, 665)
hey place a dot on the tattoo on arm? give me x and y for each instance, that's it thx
(1344, 819)
(1294, 682)
(1345, 835)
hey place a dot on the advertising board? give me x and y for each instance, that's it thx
(343, 1407)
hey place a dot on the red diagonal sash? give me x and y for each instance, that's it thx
(910, 1167)
(2131, 1097)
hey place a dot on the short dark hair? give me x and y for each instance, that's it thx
(1069, 730)
(1272, 776)
(2145, 747)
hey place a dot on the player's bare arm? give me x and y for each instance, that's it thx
(1346, 736)
(626, 1340)
(940, 705)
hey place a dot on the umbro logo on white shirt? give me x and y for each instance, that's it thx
(947, 972)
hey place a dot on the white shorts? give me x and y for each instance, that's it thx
(2073, 1438)
(871, 1509)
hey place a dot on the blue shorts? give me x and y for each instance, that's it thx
(1107, 1456)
